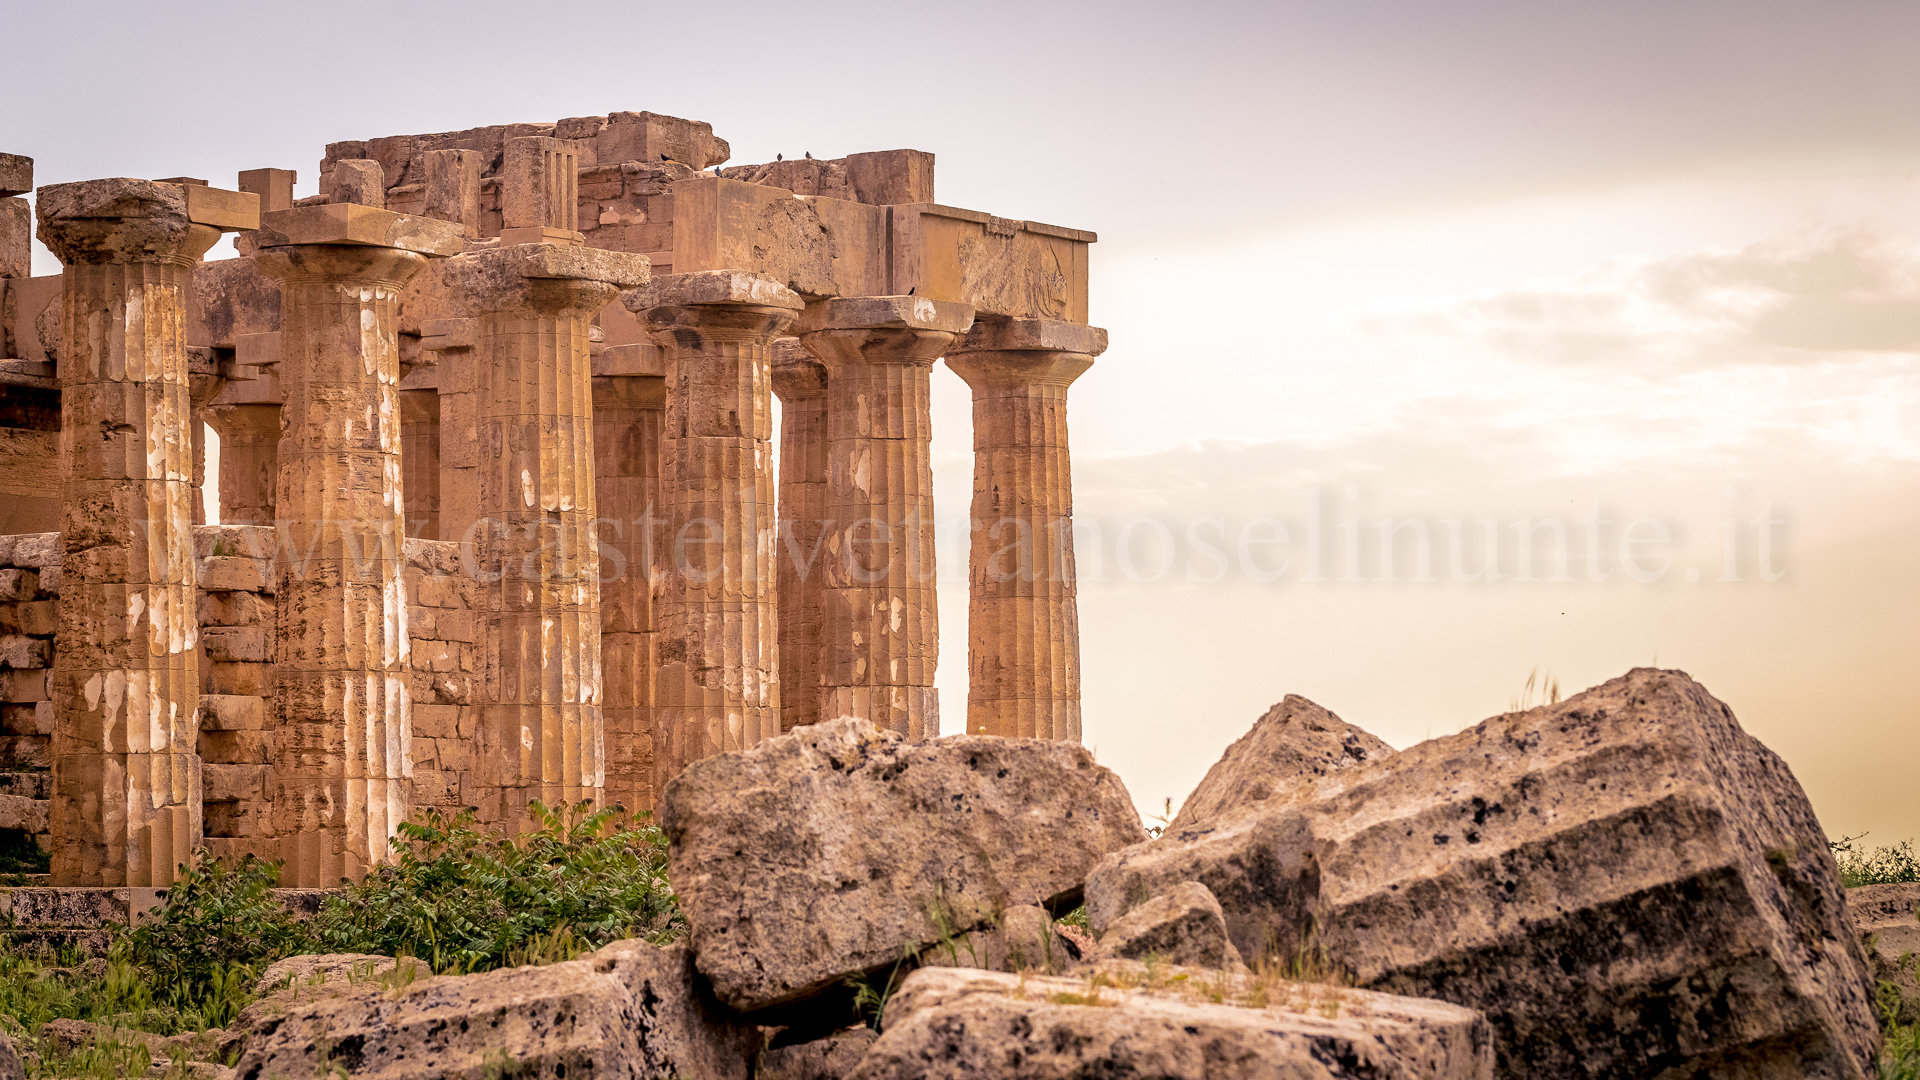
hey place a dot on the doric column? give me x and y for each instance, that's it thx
(342, 756)
(126, 777)
(628, 414)
(249, 448)
(881, 631)
(537, 594)
(801, 384)
(717, 686)
(1023, 622)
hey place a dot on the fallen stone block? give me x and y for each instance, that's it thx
(839, 849)
(1296, 741)
(1887, 918)
(1625, 882)
(629, 1011)
(1181, 926)
(1171, 1024)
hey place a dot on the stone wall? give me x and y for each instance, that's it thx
(236, 650)
(29, 588)
(236, 735)
(445, 718)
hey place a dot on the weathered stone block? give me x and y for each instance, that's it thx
(16, 239)
(1887, 918)
(1294, 743)
(833, 849)
(232, 712)
(17, 584)
(16, 174)
(242, 644)
(1557, 868)
(627, 1011)
(18, 651)
(34, 618)
(24, 815)
(27, 718)
(355, 180)
(1181, 926)
(240, 679)
(26, 685)
(237, 572)
(237, 747)
(435, 721)
(948, 1023)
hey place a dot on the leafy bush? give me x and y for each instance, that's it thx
(1875, 866)
(219, 928)
(463, 900)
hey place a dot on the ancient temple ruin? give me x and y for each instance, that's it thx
(500, 514)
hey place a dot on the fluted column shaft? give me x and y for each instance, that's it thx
(717, 683)
(342, 761)
(538, 593)
(628, 414)
(249, 450)
(126, 777)
(1023, 637)
(881, 625)
(801, 384)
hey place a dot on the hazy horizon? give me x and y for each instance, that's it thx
(1497, 261)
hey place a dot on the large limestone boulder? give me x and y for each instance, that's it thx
(1182, 926)
(629, 1011)
(838, 849)
(1295, 742)
(1887, 918)
(1170, 1024)
(1627, 883)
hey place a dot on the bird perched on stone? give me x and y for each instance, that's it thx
(809, 155)
(911, 288)
(779, 157)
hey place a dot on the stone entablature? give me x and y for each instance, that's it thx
(476, 402)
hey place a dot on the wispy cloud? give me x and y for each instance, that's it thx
(1808, 299)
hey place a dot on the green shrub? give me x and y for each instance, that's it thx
(1875, 866)
(219, 928)
(463, 900)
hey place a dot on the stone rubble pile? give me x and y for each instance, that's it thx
(1623, 885)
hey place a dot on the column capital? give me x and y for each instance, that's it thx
(797, 376)
(355, 263)
(882, 329)
(726, 301)
(123, 220)
(1025, 352)
(546, 279)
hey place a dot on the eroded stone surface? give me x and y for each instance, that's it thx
(1294, 742)
(955, 1023)
(1887, 918)
(629, 1011)
(837, 848)
(1556, 868)
(1183, 925)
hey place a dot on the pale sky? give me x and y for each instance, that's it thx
(1447, 262)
